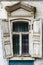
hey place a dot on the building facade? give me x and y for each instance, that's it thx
(21, 35)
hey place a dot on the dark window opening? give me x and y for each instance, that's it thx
(25, 44)
(20, 27)
(16, 44)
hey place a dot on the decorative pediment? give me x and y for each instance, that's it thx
(20, 5)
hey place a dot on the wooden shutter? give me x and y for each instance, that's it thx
(37, 38)
(7, 43)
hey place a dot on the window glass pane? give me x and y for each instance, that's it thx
(20, 26)
(16, 44)
(25, 44)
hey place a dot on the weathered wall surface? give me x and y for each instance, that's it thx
(3, 14)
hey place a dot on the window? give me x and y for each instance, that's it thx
(20, 38)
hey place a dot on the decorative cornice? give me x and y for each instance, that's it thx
(20, 5)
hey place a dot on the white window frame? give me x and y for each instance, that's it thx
(19, 57)
(20, 34)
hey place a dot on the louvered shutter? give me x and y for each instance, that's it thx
(7, 43)
(37, 38)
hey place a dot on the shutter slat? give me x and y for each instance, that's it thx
(37, 38)
(7, 45)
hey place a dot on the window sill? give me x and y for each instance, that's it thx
(22, 58)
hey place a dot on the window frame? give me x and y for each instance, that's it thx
(20, 33)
